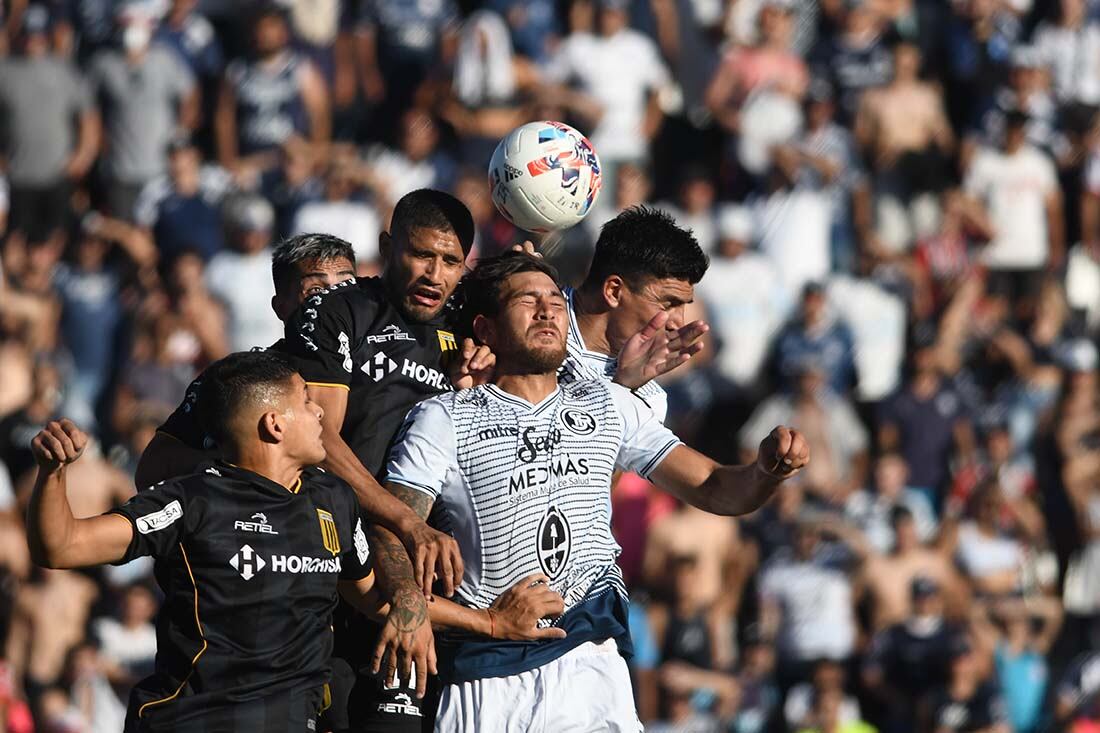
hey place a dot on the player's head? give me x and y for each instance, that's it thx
(513, 304)
(256, 400)
(306, 264)
(644, 263)
(424, 252)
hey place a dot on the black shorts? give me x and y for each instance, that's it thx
(295, 712)
(1015, 285)
(375, 707)
(39, 211)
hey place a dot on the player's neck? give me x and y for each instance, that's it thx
(533, 388)
(271, 465)
(592, 317)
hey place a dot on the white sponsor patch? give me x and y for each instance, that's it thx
(159, 520)
(362, 549)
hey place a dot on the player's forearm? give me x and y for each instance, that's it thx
(50, 520)
(383, 507)
(446, 614)
(734, 490)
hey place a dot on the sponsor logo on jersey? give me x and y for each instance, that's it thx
(159, 520)
(529, 482)
(345, 351)
(257, 523)
(578, 421)
(535, 445)
(425, 375)
(330, 538)
(500, 431)
(362, 549)
(447, 341)
(554, 543)
(402, 705)
(214, 472)
(391, 332)
(378, 367)
(246, 562)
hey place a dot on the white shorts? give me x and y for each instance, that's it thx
(588, 689)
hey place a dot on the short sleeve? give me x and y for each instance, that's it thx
(355, 564)
(646, 442)
(80, 91)
(975, 182)
(320, 336)
(1048, 176)
(423, 455)
(180, 79)
(158, 517)
(183, 423)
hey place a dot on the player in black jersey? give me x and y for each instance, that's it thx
(251, 553)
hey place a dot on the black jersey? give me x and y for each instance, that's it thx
(183, 423)
(249, 570)
(981, 710)
(913, 662)
(351, 336)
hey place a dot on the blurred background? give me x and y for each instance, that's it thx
(901, 202)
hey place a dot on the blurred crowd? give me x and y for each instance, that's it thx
(901, 202)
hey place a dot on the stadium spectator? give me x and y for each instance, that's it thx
(193, 37)
(343, 213)
(1071, 47)
(816, 335)
(52, 139)
(147, 95)
(969, 700)
(416, 162)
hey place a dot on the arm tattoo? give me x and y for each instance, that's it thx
(391, 560)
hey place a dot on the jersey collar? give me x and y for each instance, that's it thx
(260, 481)
(500, 394)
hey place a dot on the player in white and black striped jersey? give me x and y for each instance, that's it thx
(519, 471)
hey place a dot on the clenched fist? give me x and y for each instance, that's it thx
(59, 444)
(783, 453)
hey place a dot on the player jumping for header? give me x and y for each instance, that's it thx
(519, 471)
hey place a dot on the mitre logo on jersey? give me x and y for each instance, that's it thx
(578, 421)
(391, 332)
(257, 523)
(554, 543)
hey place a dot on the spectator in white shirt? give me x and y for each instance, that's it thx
(694, 207)
(1071, 47)
(341, 214)
(622, 69)
(1019, 186)
(240, 276)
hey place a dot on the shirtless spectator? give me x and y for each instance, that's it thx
(904, 132)
(888, 577)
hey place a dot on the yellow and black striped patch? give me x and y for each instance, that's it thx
(447, 341)
(329, 536)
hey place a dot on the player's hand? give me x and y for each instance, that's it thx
(434, 555)
(528, 247)
(58, 444)
(783, 453)
(656, 350)
(517, 611)
(474, 367)
(406, 646)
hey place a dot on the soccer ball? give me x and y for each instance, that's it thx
(544, 176)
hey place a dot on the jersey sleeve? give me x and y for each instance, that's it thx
(646, 442)
(320, 336)
(158, 517)
(183, 423)
(423, 455)
(356, 562)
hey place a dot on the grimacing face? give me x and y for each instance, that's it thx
(422, 269)
(528, 334)
(637, 306)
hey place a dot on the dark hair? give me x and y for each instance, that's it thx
(427, 208)
(641, 244)
(479, 291)
(231, 383)
(291, 252)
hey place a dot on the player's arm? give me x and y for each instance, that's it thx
(57, 539)
(732, 490)
(177, 447)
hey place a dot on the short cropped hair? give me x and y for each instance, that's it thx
(481, 288)
(641, 244)
(293, 251)
(427, 208)
(236, 381)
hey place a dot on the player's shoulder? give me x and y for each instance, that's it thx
(320, 483)
(442, 406)
(588, 389)
(355, 301)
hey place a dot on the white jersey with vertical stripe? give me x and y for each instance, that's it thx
(581, 363)
(527, 489)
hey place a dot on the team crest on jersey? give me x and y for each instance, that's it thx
(447, 341)
(578, 421)
(329, 536)
(555, 541)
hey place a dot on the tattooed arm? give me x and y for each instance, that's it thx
(406, 637)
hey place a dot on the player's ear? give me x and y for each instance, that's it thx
(613, 288)
(272, 427)
(483, 330)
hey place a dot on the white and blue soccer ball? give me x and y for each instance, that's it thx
(544, 176)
